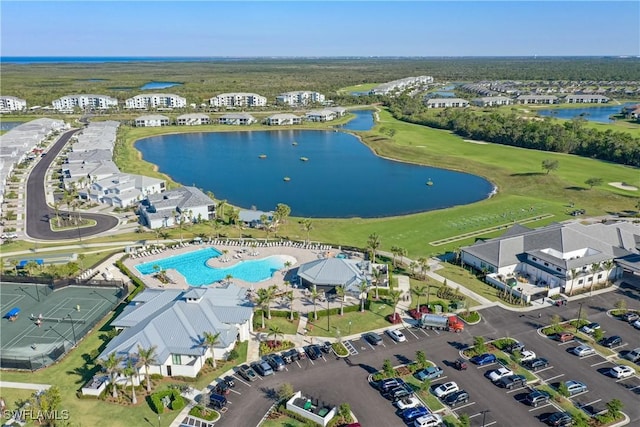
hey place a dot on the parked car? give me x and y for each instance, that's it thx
(246, 372)
(590, 328)
(326, 347)
(515, 346)
(262, 367)
(633, 355)
(636, 324)
(371, 338)
(396, 335)
(496, 374)
(527, 355)
(222, 388)
(630, 316)
(430, 373)
(612, 341)
(575, 387)
(537, 363)
(275, 361)
(229, 380)
(484, 359)
(456, 398)
(429, 420)
(399, 392)
(389, 383)
(302, 354)
(583, 350)
(563, 337)
(511, 381)
(217, 401)
(446, 388)
(411, 414)
(460, 364)
(290, 356)
(621, 371)
(537, 398)
(407, 402)
(313, 351)
(559, 419)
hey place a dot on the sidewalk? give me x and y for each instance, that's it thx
(24, 386)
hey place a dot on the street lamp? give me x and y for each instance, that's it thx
(484, 414)
(428, 295)
(158, 420)
(349, 327)
(73, 328)
(328, 313)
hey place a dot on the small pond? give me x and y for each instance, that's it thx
(159, 85)
(599, 114)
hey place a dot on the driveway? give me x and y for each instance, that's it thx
(39, 213)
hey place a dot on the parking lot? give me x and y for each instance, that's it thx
(345, 380)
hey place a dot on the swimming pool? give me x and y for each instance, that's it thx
(193, 266)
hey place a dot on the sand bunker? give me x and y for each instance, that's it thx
(623, 186)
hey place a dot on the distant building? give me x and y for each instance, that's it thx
(11, 103)
(193, 119)
(400, 85)
(586, 99)
(239, 119)
(170, 207)
(338, 111)
(301, 97)
(325, 115)
(253, 218)
(537, 99)
(152, 120)
(491, 101)
(327, 273)
(238, 99)
(97, 102)
(446, 103)
(283, 119)
(122, 190)
(156, 100)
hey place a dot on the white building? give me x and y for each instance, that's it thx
(193, 119)
(156, 100)
(492, 101)
(175, 321)
(238, 99)
(301, 97)
(122, 190)
(173, 206)
(152, 120)
(396, 86)
(586, 99)
(325, 115)
(12, 103)
(97, 102)
(283, 119)
(238, 119)
(537, 99)
(446, 103)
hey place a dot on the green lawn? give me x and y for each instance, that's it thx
(283, 421)
(433, 294)
(283, 323)
(353, 323)
(364, 87)
(432, 402)
(469, 281)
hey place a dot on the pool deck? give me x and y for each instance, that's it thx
(233, 255)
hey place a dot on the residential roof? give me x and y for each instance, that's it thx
(193, 116)
(167, 320)
(445, 100)
(152, 117)
(238, 116)
(334, 271)
(283, 116)
(250, 215)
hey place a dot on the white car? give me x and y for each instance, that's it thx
(527, 355)
(583, 350)
(430, 420)
(496, 374)
(443, 389)
(407, 402)
(621, 371)
(636, 324)
(396, 335)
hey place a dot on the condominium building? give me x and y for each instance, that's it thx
(283, 119)
(492, 101)
(238, 100)
(156, 100)
(586, 99)
(98, 102)
(238, 119)
(301, 97)
(400, 85)
(446, 103)
(537, 99)
(153, 120)
(193, 119)
(11, 103)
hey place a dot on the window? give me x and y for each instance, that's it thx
(600, 276)
(176, 359)
(558, 269)
(590, 279)
(535, 259)
(546, 264)
(580, 281)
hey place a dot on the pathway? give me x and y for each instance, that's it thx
(24, 386)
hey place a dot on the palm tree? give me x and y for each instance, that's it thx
(220, 209)
(377, 275)
(228, 278)
(224, 253)
(209, 341)
(113, 368)
(340, 293)
(287, 266)
(234, 217)
(265, 225)
(31, 267)
(56, 207)
(424, 266)
(419, 292)
(363, 288)
(413, 266)
(130, 372)
(395, 298)
(608, 266)
(290, 298)
(574, 274)
(395, 250)
(373, 243)
(275, 331)
(314, 297)
(307, 226)
(147, 357)
(14, 263)
(262, 301)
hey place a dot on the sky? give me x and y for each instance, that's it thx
(319, 28)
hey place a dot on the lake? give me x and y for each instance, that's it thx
(599, 114)
(341, 179)
(159, 85)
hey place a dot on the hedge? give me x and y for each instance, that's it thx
(136, 281)
(177, 401)
(347, 309)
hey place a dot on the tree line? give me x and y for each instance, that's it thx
(571, 137)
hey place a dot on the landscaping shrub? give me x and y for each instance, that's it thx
(340, 349)
(265, 348)
(233, 355)
(204, 413)
(471, 317)
(503, 343)
(176, 403)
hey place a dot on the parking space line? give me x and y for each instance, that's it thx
(587, 357)
(466, 405)
(553, 378)
(486, 366)
(600, 363)
(310, 361)
(627, 378)
(298, 363)
(633, 388)
(236, 392)
(241, 380)
(424, 332)
(543, 369)
(568, 342)
(540, 407)
(516, 389)
(591, 403)
(323, 358)
(411, 332)
(489, 424)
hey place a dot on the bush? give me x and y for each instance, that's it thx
(176, 401)
(265, 348)
(340, 349)
(503, 343)
(233, 355)
(204, 413)
(470, 317)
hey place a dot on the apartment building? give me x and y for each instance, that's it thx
(238, 99)
(155, 100)
(97, 102)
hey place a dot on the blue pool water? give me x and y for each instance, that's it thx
(193, 266)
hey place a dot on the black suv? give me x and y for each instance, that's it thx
(291, 356)
(371, 338)
(313, 351)
(511, 381)
(559, 419)
(537, 398)
(610, 342)
(537, 363)
(456, 398)
(516, 346)
(229, 381)
(398, 393)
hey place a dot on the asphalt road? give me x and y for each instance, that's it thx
(39, 213)
(339, 381)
